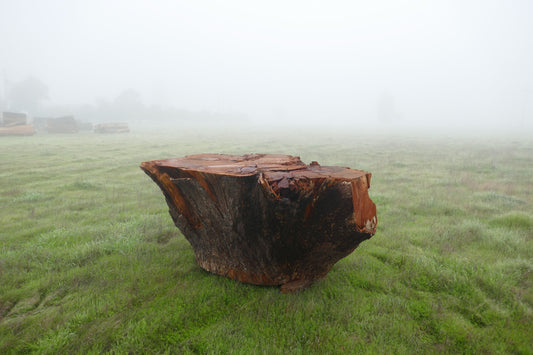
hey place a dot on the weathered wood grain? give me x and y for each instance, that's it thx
(266, 219)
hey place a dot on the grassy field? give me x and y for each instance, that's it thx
(90, 261)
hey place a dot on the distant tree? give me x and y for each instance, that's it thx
(128, 105)
(386, 110)
(129, 99)
(27, 95)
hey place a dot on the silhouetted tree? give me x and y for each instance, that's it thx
(128, 105)
(386, 111)
(27, 95)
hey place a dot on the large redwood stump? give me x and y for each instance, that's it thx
(266, 219)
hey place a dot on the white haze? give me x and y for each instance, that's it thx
(327, 62)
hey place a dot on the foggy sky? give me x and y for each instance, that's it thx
(328, 61)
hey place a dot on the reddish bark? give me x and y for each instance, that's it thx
(266, 219)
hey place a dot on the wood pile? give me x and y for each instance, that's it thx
(10, 119)
(40, 123)
(15, 124)
(85, 126)
(21, 130)
(112, 128)
(65, 124)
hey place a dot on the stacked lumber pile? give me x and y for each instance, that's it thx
(111, 128)
(65, 124)
(40, 123)
(15, 124)
(10, 119)
(84, 126)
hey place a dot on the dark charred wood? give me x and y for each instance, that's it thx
(266, 219)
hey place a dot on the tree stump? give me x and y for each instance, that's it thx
(266, 219)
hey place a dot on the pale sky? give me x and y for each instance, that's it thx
(441, 61)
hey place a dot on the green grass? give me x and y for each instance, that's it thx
(90, 261)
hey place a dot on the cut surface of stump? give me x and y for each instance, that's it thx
(266, 219)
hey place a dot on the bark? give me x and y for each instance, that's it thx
(266, 219)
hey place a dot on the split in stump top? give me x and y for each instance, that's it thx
(273, 166)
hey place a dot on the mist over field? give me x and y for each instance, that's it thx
(432, 101)
(457, 65)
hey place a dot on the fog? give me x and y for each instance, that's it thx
(335, 63)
